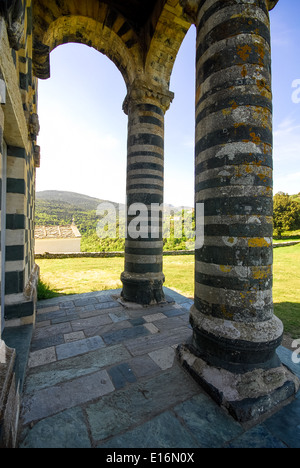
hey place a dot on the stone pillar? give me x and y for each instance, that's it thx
(235, 333)
(143, 276)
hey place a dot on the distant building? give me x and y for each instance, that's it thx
(57, 239)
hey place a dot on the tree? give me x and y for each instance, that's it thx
(286, 213)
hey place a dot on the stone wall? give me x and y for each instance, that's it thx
(18, 132)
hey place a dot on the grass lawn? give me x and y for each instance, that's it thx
(76, 276)
(287, 288)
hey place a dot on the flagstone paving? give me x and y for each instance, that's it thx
(104, 374)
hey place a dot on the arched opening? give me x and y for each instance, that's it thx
(83, 142)
(179, 168)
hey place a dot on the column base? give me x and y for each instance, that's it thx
(143, 289)
(9, 397)
(246, 396)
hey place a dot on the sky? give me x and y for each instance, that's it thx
(83, 134)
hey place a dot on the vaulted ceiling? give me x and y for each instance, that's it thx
(140, 36)
(129, 32)
(137, 12)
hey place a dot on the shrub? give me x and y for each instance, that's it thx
(44, 291)
(286, 213)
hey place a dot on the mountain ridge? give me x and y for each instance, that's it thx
(72, 198)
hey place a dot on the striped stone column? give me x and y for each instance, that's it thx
(235, 333)
(143, 277)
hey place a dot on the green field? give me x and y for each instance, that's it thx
(287, 288)
(76, 276)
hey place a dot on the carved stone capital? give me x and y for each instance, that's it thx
(141, 92)
(41, 60)
(14, 13)
(190, 9)
(37, 156)
(34, 126)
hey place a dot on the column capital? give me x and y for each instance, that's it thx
(190, 9)
(141, 92)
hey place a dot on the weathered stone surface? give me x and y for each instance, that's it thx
(127, 408)
(247, 396)
(64, 430)
(54, 399)
(9, 398)
(155, 434)
(65, 370)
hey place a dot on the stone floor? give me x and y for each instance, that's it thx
(101, 374)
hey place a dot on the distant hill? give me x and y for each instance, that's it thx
(75, 199)
(55, 207)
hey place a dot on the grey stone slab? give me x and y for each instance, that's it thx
(170, 324)
(144, 366)
(67, 305)
(127, 408)
(72, 368)
(126, 334)
(175, 312)
(163, 431)
(106, 305)
(177, 297)
(74, 348)
(45, 310)
(64, 430)
(52, 400)
(19, 338)
(152, 328)
(50, 315)
(257, 437)
(90, 322)
(46, 323)
(108, 328)
(74, 336)
(121, 375)
(91, 313)
(41, 357)
(54, 302)
(52, 330)
(154, 317)
(187, 305)
(151, 343)
(72, 315)
(137, 321)
(118, 315)
(164, 357)
(285, 425)
(47, 342)
(108, 296)
(209, 423)
(85, 301)
(137, 313)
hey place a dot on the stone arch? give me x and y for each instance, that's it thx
(97, 26)
(166, 32)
